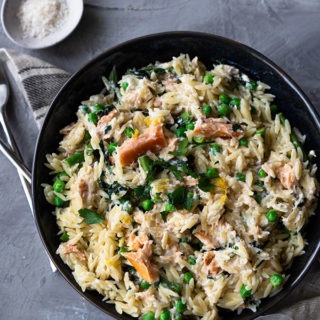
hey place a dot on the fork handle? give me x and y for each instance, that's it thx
(15, 161)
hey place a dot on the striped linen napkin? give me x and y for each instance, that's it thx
(39, 82)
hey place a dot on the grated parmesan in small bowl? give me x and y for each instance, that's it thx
(36, 24)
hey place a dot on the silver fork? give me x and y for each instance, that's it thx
(4, 96)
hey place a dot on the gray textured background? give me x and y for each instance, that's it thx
(287, 31)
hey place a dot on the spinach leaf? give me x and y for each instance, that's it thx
(114, 188)
(105, 111)
(182, 148)
(205, 184)
(113, 76)
(64, 237)
(90, 217)
(177, 197)
(189, 200)
(176, 287)
(146, 71)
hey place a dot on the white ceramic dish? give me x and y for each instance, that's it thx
(12, 28)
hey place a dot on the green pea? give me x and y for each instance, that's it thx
(187, 277)
(93, 117)
(192, 260)
(145, 285)
(129, 131)
(190, 126)
(124, 85)
(58, 202)
(240, 176)
(180, 306)
(207, 110)
(180, 132)
(243, 142)
(185, 116)
(215, 149)
(165, 315)
(77, 157)
(112, 147)
(244, 292)
(178, 316)
(208, 78)
(251, 85)
(262, 173)
(261, 131)
(224, 110)
(272, 215)
(276, 280)
(148, 316)
(62, 176)
(147, 204)
(97, 107)
(212, 173)
(224, 98)
(169, 207)
(235, 102)
(58, 185)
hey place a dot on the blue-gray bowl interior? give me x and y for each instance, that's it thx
(162, 47)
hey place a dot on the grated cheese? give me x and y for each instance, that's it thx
(38, 18)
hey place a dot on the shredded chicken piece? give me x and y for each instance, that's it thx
(286, 176)
(73, 248)
(67, 129)
(86, 187)
(137, 242)
(207, 239)
(104, 121)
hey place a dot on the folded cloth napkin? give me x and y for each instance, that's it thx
(39, 81)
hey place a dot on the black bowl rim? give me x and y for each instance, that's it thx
(283, 75)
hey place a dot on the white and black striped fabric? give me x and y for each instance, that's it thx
(38, 80)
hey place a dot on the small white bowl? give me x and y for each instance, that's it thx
(12, 28)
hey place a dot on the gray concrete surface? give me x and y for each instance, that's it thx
(287, 31)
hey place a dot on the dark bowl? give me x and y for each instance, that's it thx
(162, 47)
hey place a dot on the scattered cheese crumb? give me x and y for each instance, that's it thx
(38, 18)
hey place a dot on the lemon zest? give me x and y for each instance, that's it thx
(136, 133)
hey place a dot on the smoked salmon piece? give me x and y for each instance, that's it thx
(140, 260)
(213, 129)
(152, 140)
(286, 176)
